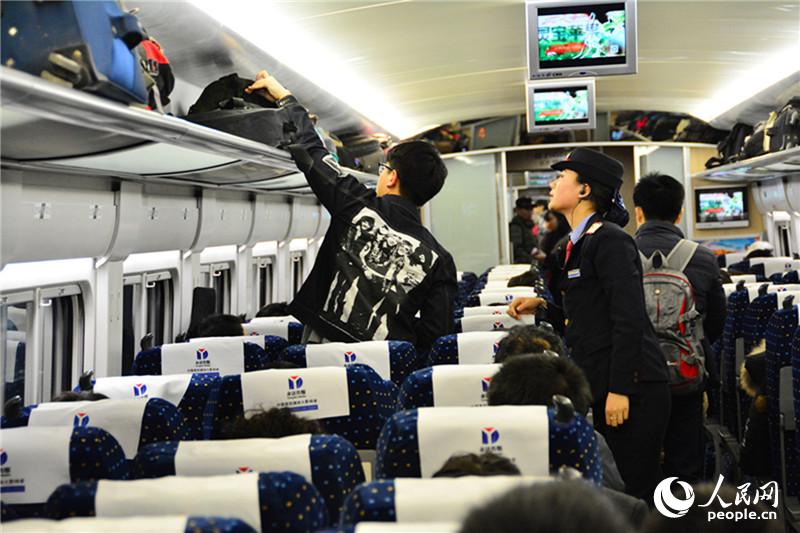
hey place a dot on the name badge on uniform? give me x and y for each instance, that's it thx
(574, 273)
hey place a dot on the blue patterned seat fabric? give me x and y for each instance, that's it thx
(733, 329)
(193, 524)
(335, 467)
(287, 502)
(403, 358)
(571, 444)
(780, 333)
(372, 401)
(416, 390)
(93, 454)
(148, 362)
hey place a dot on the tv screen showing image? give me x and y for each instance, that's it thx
(581, 38)
(567, 105)
(721, 207)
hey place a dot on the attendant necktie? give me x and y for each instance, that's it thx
(569, 252)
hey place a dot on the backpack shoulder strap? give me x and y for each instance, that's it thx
(681, 254)
(647, 263)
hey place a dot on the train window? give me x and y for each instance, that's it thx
(265, 275)
(160, 295)
(61, 326)
(15, 322)
(129, 336)
(220, 274)
(147, 308)
(297, 271)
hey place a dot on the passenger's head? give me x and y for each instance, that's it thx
(220, 326)
(658, 197)
(523, 208)
(698, 519)
(548, 507)
(82, 396)
(274, 423)
(414, 170)
(759, 249)
(526, 279)
(534, 379)
(554, 221)
(539, 207)
(471, 464)
(528, 339)
(274, 309)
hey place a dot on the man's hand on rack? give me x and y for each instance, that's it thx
(268, 87)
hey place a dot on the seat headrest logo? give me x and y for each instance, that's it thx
(485, 382)
(202, 354)
(244, 470)
(497, 325)
(489, 435)
(3, 457)
(495, 347)
(350, 357)
(295, 382)
(140, 389)
(81, 420)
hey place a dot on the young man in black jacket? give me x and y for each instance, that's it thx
(378, 265)
(658, 200)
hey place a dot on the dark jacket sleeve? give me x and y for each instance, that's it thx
(436, 315)
(334, 188)
(716, 308)
(618, 267)
(518, 252)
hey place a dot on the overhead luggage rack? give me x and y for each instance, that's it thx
(767, 166)
(47, 126)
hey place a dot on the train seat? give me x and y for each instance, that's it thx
(492, 322)
(286, 327)
(472, 348)
(139, 524)
(447, 386)
(217, 355)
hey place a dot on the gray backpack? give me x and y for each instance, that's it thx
(670, 301)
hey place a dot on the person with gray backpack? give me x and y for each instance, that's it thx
(686, 304)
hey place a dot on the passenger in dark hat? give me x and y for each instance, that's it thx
(520, 231)
(607, 327)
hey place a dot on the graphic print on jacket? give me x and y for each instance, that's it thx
(376, 267)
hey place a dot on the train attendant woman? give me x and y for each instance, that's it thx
(608, 330)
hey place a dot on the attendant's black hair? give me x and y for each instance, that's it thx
(420, 170)
(526, 279)
(606, 201)
(472, 464)
(528, 339)
(535, 378)
(548, 507)
(274, 423)
(660, 197)
(220, 326)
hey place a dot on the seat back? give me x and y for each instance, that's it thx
(286, 327)
(138, 524)
(447, 386)
(132, 423)
(330, 462)
(504, 296)
(426, 500)
(36, 460)
(417, 442)
(392, 360)
(765, 267)
(471, 348)
(486, 310)
(188, 392)
(758, 313)
(353, 402)
(216, 355)
(267, 502)
(493, 322)
(731, 258)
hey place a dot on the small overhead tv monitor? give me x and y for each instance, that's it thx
(569, 38)
(495, 133)
(721, 207)
(560, 105)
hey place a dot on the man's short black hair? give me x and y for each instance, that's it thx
(274, 309)
(82, 396)
(534, 379)
(562, 506)
(526, 279)
(220, 326)
(660, 197)
(275, 423)
(528, 339)
(420, 170)
(472, 464)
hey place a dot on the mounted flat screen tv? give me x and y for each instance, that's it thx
(560, 105)
(721, 207)
(568, 38)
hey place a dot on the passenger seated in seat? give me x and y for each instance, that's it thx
(560, 506)
(378, 265)
(220, 326)
(274, 309)
(533, 379)
(754, 455)
(272, 424)
(529, 339)
(82, 396)
(472, 464)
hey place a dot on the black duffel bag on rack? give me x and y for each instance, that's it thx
(785, 130)
(730, 148)
(224, 106)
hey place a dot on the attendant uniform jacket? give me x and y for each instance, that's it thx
(608, 330)
(378, 266)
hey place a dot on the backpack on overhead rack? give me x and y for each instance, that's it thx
(757, 143)
(670, 303)
(159, 79)
(784, 133)
(730, 148)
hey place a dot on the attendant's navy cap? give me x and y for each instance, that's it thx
(593, 165)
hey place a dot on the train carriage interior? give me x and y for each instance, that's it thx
(167, 225)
